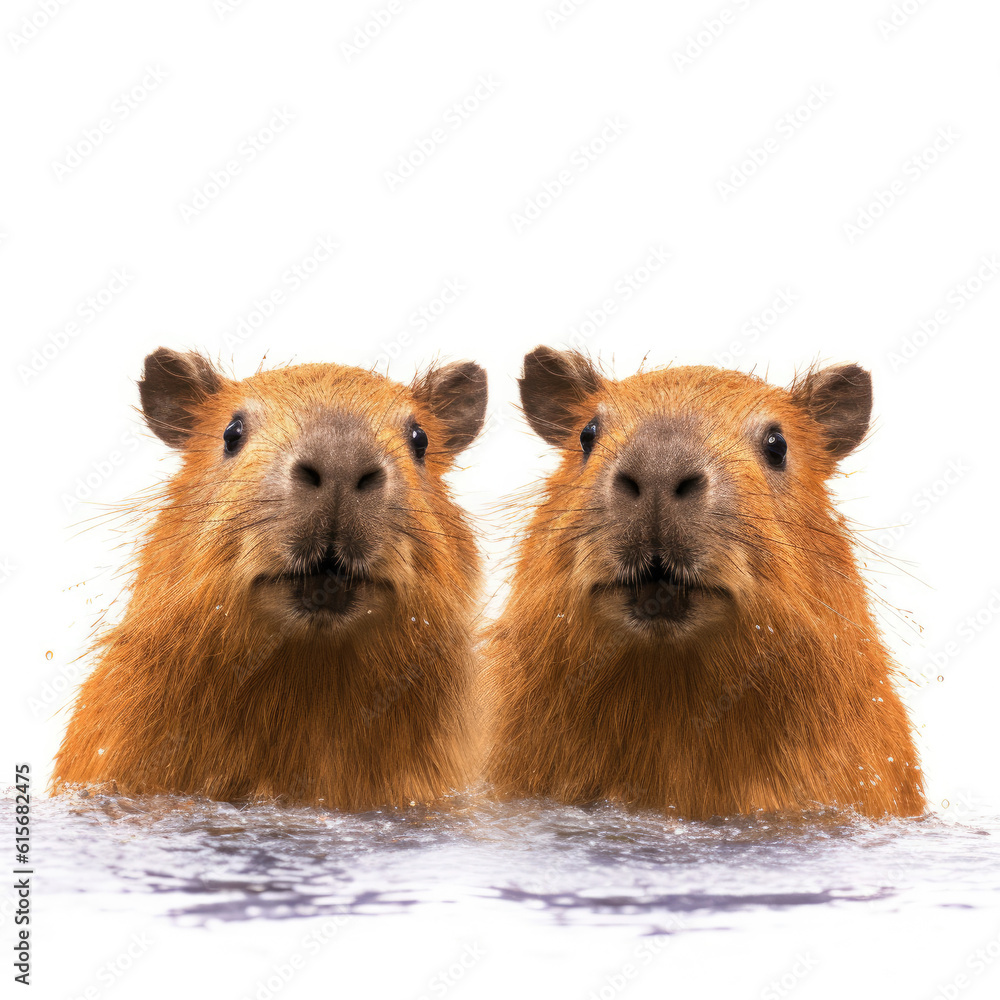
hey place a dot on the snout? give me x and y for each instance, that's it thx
(332, 488)
(661, 490)
(338, 485)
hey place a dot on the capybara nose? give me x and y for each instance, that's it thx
(663, 475)
(337, 460)
(326, 473)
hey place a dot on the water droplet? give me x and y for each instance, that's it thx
(426, 622)
(48, 655)
(889, 759)
(218, 607)
(945, 803)
(940, 677)
(770, 629)
(100, 750)
(413, 619)
(757, 627)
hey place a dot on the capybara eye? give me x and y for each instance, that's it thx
(233, 435)
(588, 436)
(418, 439)
(775, 449)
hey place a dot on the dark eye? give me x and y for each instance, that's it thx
(588, 436)
(418, 440)
(233, 435)
(775, 449)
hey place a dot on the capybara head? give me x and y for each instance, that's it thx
(325, 478)
(686, 626)
(300, 618)
(681, 489)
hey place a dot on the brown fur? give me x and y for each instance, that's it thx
(775, 692)
(211, 684)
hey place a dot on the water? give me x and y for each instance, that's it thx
(205, 861)
(558, 875)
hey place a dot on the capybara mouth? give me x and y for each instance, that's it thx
(326, 586)
(659, 591)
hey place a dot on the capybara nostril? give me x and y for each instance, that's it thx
(691, 486)
(303, 472)
(626, 485)
(371, 480)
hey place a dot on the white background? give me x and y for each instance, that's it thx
(75, 213)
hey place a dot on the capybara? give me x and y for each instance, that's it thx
(687, 628)
(300, 620)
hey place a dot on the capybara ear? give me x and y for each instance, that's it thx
(456, 393)
(840, 400)
(553, 386)
(171, 388)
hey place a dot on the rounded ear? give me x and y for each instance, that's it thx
(839, 399)
(172, 387)
(553, 386)
(456, 393)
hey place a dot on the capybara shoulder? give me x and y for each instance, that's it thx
(301, 609)
(687, 628)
